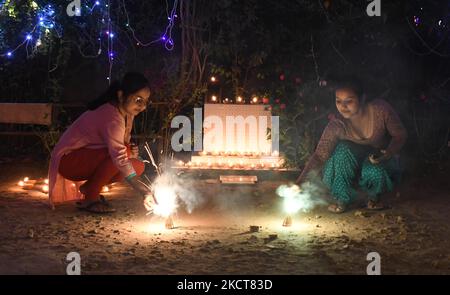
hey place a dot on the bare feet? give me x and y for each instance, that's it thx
(97, 206)
(335, 208)
(372, 205)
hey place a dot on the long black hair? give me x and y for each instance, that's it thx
(130, 83)
(352, 82)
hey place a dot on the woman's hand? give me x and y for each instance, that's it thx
(149, 202)
(377, 160)
(138, 187)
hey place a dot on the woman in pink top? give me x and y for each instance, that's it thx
(360, 143)
(95, 150)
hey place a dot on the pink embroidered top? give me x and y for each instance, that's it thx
(387, 132)
(104, 127)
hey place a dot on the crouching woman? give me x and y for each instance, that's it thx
(95, 150)
(358, 144)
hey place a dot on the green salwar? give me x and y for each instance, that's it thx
(348, 163)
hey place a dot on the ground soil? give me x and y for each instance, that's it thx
(412, 236)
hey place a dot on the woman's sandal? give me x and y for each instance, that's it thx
(336, 208)
(372, 205)
(99, 206)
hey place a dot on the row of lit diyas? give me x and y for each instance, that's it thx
(42, 185)
(240, 154)
(231, 162)
(239, 100)
(33, 184)
(228, 165)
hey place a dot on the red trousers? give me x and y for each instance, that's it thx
(95, 166)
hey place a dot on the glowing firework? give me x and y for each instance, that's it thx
(287, 221)
(169, 223)
(166, 200)
(149, 152)
(162, 200)
(298, 199)
(292, 203)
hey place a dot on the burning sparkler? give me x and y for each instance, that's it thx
(298, 199)
(149, 152)
(166, 192)
(287, 221)
(169, 223)
(291, 203)
(161, 193)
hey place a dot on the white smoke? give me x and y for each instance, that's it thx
(171, 190)
(304, 198)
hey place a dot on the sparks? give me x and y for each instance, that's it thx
(167, 200)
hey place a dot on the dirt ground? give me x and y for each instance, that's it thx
(412, 236)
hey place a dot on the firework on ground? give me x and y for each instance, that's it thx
(169, 192)
(297, 199)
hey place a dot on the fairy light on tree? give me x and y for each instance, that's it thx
(48, 26)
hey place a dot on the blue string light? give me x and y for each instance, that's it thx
(46, 22)
(47, 17)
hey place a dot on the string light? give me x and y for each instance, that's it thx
(166, 37)
(46, 23)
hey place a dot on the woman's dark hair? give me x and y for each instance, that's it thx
(130, 83)
(350, 82)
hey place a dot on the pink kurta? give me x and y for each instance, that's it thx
(104, 127)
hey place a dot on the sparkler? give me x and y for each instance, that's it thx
(299, 199)
(165, 204)
(169, 223)
(292, 203)
(287, 221)
(149, 152)
(163, 194)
